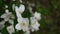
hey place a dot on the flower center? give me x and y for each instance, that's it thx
(23, 24)
(8, 16)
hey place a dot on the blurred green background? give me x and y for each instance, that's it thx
(50, 15)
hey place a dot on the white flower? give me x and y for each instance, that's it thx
(10, 29)
(34, 24)
(20, 9)
(23, 24)
(8, 15)
(6, 6)
(37, 15)
(2, 24)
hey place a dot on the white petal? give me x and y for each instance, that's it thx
(37, 24)
(20, 20)
(18, 27)
(21, 8)
(3, 15)
(11, 22)
(10, 29)
(17, 12)
(26, 20)
(25, 29)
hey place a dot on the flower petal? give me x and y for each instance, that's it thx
(18, 27)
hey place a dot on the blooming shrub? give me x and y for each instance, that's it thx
(27, 25)
(29, 17)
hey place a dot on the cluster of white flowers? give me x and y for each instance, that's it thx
(23, 23)
(27, 25)
(7, 16)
